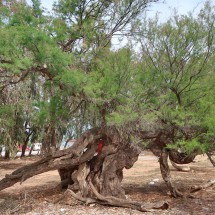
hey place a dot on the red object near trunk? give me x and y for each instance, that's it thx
(100, 145)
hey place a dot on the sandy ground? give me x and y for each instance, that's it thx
(143, 182)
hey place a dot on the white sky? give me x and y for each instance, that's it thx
(164, 10)
(183, 6)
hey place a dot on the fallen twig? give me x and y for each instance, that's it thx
(203, 186)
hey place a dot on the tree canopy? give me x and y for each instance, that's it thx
(59, 75)
(61, 79)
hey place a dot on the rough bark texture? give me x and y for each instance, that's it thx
(181, 158)
(211, 157)
(165, 172)
(92, 168)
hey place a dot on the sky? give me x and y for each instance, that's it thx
(164, 10)
(183, 6)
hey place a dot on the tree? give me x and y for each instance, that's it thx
(29, 55)
(176, 61)
(109, 97)
(64, 55)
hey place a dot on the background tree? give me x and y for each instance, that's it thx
(176, 58)
(57, 54)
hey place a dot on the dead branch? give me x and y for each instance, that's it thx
(197, 188)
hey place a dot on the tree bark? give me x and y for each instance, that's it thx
(165, 172)
(7, 154)
(181, 158)
(210, 155)
(92, 168)
(25, 144)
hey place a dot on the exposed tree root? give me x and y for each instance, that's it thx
(118, 202)
(180, 168)
(114, 201)
(80, 198)
(92, 169)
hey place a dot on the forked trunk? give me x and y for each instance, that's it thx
(92, 169)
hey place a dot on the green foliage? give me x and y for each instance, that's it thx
(189, 146)
(63, 65)
(110, 75)
(174, 77)
(6, 112)
(179, 52)
(123, 115)
(11, 130)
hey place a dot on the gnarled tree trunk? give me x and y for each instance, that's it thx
(92, 168)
